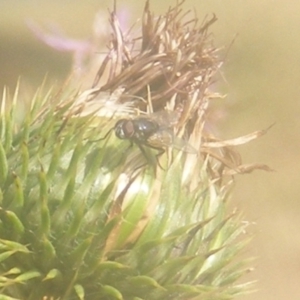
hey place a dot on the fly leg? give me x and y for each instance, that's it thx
(161, 151)
(158, 155)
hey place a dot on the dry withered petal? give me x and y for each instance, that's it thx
(172, 65)
(173, 56)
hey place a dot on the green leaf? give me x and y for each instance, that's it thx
(25, 161)
(76, 223)
(19, 196)
(77, 256)
(112, 292)
(12, 224)
(136, 208)
(14, 246)
(48, 251)
(79, 291)
(65, 205)
(145, 281)
(76, 156)
(5, 255)
(111, 265)
(53, 274)
(4, 297)
(165, 273)
(27, 276)
(165, 208)
(3, 164)
(13, 271)
(43, 184)
(45, 223)
(55, 159)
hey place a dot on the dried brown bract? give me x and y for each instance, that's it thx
(172, 66)
(174, 58)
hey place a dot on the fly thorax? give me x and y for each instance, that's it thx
(144, 128)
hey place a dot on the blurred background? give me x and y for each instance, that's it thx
(261, 79)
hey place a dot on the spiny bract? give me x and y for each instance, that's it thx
(83, 218)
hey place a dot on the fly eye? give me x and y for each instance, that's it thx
(124, 129)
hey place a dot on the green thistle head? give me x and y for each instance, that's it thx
(82, 217)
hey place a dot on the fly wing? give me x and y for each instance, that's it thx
(165, 138)
(165, 118)
(183, 145)
(161, 139)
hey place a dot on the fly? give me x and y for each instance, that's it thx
(153, 130)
